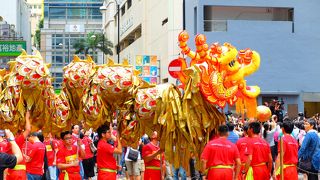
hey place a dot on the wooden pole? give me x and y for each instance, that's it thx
(281, 158)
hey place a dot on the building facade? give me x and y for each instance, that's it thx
(36, 13)
(147, 28)
(14, 30)
(285, 33)
(65, 22)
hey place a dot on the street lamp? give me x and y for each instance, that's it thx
(103, 9)
(61, 45)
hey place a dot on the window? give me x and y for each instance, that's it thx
(56, 75)
(57, 41)
(123, 10)
(94, 13)
(129, 3)
(57, 13)
(216, 17)
(77, 13)
(164, 21)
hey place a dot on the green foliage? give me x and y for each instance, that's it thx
(37, 38)
(92, 42)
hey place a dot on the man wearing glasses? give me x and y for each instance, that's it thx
(107, 165)
(68, 158)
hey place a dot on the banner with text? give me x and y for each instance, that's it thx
(11, 48)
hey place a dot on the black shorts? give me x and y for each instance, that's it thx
(88, 167)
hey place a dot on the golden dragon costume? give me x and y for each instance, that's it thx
(28, 87)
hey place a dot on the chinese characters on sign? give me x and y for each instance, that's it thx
(148, 68)
(11, 48)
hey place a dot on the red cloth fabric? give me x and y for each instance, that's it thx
(72, 176)
(242, 145)
(150, 149)
(66, 156)
(103, 175)
(289, 173)
(220, 152)
(87, 141)
(260, 151)
(36, 153)
(152, 174)
(18, 174)
(290, 150)
(105, 157)
(5, 146)
(51, 147)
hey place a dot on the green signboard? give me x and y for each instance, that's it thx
(11, 48)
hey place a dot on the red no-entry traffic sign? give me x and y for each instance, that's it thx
(175, 67)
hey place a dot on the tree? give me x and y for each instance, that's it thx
(37, 37)
(93, 41)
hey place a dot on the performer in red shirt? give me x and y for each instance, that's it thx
(290, 153)
(151, 154)
(242, 145)
(88, 162)
(19, 171)
(35, 157)
(52, 148)
(259, 163)
(219, 156)
(107, 165)
(68, 158)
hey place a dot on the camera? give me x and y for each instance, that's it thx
(301, 114)
(2, 133)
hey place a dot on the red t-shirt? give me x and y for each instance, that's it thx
(51, 147)
(36, 153)
(59, 143)
(150, 149)
(87, 141)
(4, 146)
(20, 140)
(259, 149)
(220, 152)
(66, 156)
(105, 157)
(290, 149)
(242, 145)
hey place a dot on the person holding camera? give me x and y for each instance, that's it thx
(7, 160)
